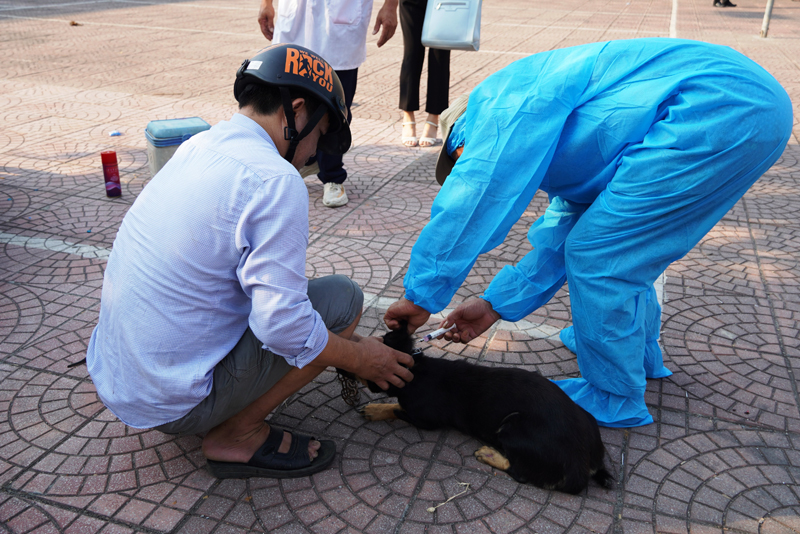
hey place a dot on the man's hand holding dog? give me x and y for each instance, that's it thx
(472, 318)
(367, 358)
(383, 365)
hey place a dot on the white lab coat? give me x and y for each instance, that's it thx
(334, 29)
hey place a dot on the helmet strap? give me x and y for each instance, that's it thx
(290, 132)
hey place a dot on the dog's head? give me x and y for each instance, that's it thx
(398, 339)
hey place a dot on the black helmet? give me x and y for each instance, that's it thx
(284, 66)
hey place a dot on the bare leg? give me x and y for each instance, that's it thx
(238, 438)
(429, 130)
(409, 128)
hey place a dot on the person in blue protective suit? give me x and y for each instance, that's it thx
(642, 146)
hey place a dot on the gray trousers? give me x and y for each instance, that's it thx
(249, 371)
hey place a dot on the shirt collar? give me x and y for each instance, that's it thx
(246, 122)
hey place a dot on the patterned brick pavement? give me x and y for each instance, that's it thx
(721, 457)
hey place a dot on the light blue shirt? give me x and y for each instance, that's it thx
(215, 242)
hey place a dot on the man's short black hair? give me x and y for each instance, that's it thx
(266, 99)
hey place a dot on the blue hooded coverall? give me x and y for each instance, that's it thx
(642, 146)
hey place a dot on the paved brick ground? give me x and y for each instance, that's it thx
(721, 457)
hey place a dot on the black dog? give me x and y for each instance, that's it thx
(538, 435)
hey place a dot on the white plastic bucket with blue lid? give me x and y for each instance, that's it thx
(165, 136)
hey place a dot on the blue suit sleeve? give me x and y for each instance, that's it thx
(518, 290)
(514, 121)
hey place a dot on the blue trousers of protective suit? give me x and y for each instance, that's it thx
(642, 147)
(668, 192)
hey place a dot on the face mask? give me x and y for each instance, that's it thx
(457, 135)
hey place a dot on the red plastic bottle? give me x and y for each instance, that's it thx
(111, 173)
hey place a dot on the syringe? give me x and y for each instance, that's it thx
(437, 333)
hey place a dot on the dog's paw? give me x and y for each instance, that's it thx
(492, 457)
(379, 411)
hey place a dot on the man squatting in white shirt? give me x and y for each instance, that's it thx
(207, 320)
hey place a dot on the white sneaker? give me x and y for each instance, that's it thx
(334, 195)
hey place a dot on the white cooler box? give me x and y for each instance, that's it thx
(165, 136)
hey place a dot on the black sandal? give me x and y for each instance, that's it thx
(268, 462)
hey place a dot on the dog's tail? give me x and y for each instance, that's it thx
(603, 477)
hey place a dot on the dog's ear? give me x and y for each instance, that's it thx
(400, 339)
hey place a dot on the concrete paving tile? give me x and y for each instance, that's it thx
(731, 306)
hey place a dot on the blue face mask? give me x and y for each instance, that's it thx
(457, 135)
